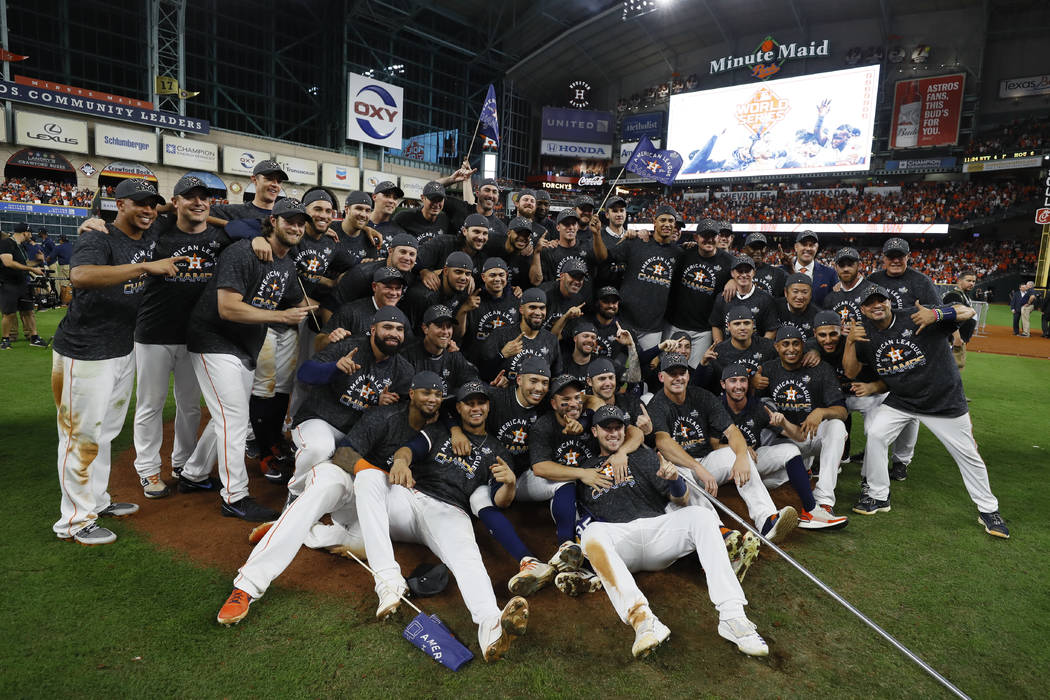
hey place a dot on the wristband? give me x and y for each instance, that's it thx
(678, 487)
(947, 313)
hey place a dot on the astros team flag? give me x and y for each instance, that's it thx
(649, 161)
(489, 117)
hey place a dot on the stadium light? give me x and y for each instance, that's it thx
(633, 9)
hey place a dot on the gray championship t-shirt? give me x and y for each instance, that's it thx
(693, 424)
(444, 475)
(642, 494)
(798, 391)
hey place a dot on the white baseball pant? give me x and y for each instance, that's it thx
(329, 490)
(530, 487)
(448, 532)
(154, 365)
(615, 550)
(719, 463)
(771, 461)
(315, 442)
(91, 397)
(226, 385)
(649, 340)
(699, 341)
(956, 434)
(275, 366)
(826, 445)
(904, 445)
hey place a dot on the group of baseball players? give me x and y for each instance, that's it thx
(434, 365)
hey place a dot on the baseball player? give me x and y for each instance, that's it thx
(355, 317)
(909, 350)
(702, 275)
(357, 283)
(488, 308)
(226, 333)
(571, 245)
(432, 509)
(358, 239)
(456, 279)
(743, 346)
(749, 296)
(267, 177)
(577, 356)
(768, 277)
(565, 299)
(385, 197)
(434, 350)
(845, 297)
(685, 420)
(330, 488)
(628, 530)
(797, 307)
(93, 365)
(472, 240)
(777, 461)
(508, 346)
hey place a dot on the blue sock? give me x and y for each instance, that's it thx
(563, 510)
(796, 470)
(500, 528)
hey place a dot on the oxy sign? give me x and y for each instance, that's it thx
(374, 111)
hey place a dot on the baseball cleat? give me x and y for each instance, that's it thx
(118, 510)
(649, 634)
(993, 524)
(569, 557)
(532, 575)
(37, 342)
(732, 540)
(822, 518)
(870, 506)
(188, 485)
(742, 632)
(513, 622)
(235, 608)
(746, 555)
(899, 471)
(154, 487)
(271, 470)
(259, 531)
(92, 535)
(780, 524)
(389, 600)
(248, 509)
(577, 583)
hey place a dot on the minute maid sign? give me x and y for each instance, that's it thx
(768, 56)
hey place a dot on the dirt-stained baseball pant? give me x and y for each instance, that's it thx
(904, 445)
(275, 366)
(329, 489)
(615, 550)
(315, 442)
(448, 532)
(699, 342)
(225, 384)
(154, 366)
(826, 446)
(772, 460)
(719, 463)
(91, 398)
(956, 434)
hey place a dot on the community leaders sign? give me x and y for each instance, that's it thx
(194, 155)
(121, 142)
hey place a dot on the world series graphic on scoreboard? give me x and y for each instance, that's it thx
(814, 123)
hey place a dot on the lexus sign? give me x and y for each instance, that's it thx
(50, 132)
(374, 111)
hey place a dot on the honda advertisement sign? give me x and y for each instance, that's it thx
(374, 111)
(572, 149)
(926, 111)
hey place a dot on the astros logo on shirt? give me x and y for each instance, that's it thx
(899, 355)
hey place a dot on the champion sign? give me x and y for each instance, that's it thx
(374, 111)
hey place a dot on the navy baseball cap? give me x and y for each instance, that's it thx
(788, 331)
(798, 278)
(670, 360)
(542, 196)
(533, 296)
(438, 312)
(526, 193)
(803, 235)
(665, 209)
(385, 274)
(707, 226)
(615, 201)
(564, 380)
(269, 167)
(756, 240)
(896, 245)
(434, 190)
(742, 260)
(289, 207)
(847, 254)
(608, 414)
(495, 264)
(584, 202)
(470, 389)
(520, 223)
(739, 313)
(404, 240)
(565, 214)
(188, 182)
(534, 365)
(827, 318)
(21, 227)
(459, 260)
(427, 380)
(584, 326)
(137, 190)
(680, 335)
(358, 197)
(317, 195)
(388, 187)
(428, 579)
(599, 366)
(489, 182)
(734, 370)
(608, 292)
(875, 291)
(390, 314)
(476, 220)
(576, 265)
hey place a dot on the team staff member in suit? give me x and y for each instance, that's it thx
(94, 360)
(805, 262)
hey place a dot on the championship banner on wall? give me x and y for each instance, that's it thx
(926, 111)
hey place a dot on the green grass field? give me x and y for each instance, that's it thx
(128, 620)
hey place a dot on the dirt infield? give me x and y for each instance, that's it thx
(1001, 340)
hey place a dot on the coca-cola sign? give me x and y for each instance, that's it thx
(591, 181)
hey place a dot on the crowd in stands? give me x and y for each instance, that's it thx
(1018, 135)
(656, 94)
(18, 189)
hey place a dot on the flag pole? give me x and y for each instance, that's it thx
(611, 189)
(471, 146)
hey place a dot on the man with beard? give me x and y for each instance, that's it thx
(961, 295)
(429, 219)
(602, 381)
(768, 277)
(226, 333)
(543, 208)
(778, 462)
(472, 240)
(576, 360)
(94, 350)
(700, 278)
(347, 378)
(613, 340)
(508, 346)
(796, 307)
(355, 318)
(908, 348)
(491, 307)
(749, 296)
(518, 251)
(483, 204)
(432, 352)
(565, 298)
(526, 209)
(686, 419)
(742, 347)
(331, 490)
(356, 235)
(570, 247)
(357, 283)
(845, 298)
(455, 283)
(805, 262)
(810, 398)
(385, 197)
(630, 529)
(160, 334)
